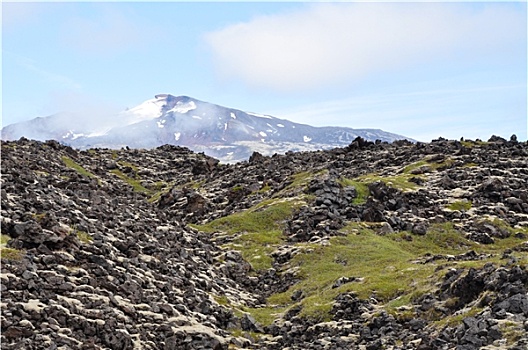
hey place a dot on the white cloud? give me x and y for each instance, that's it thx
(325, 44)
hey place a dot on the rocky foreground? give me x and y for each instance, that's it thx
(372, 246)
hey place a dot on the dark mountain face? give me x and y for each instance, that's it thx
(225, 133)
(375, 245)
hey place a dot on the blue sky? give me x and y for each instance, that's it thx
(424, 70)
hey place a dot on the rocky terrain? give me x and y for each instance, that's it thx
(371, 246)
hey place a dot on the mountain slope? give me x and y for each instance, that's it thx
(225, 133)
(402, 246)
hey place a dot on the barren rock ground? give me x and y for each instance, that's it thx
(372, 246)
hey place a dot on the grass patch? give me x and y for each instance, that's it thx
(463, 205)
(257, 231)
(384, 266)
(84, 237)
(221, 299)
(262, 218)
(401, 182)
(471, 143)
(266, 188)
(429, 163)
(455, 320)
(407, 169)
(70, 163)
(130, 165)
(4, 239)
(266, 315)
(11, 254)
(511, 331)
(136, 184)
(361, 189)
(300, 181)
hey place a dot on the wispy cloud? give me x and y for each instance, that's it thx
(325, 44)
(106, 31)
(54, 79)
(424, 114)
(19, 13)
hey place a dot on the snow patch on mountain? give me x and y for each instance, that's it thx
(183, 107)
(306, 138)
(259, 115)
(149, 109)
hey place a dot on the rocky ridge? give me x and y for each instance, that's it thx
(371, 246)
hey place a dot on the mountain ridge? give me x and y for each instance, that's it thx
(225, 133)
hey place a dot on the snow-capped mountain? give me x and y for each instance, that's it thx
(225, 133)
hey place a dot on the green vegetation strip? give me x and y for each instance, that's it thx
(136, 184)
(70, 163)
(463, 205)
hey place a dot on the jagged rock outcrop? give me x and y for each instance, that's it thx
(168, 249)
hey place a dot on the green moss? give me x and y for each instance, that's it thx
(136, 184)
(300, 181)
(130, 165)
(38, 217)
(84, 237)
(512, 331)
(11, 254)
(409, 168)
(361, 189)
(257, 231)
(266, 315)
(237, 188)
(196, 184)
(385, 266)
(70, 163)
(427, 161)
(503, 225)
(266, 188)
(221, 299)
(463, 205)
(4, 239)
(455, 320)
(265, 217)
(471, 143)
(401, 182)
